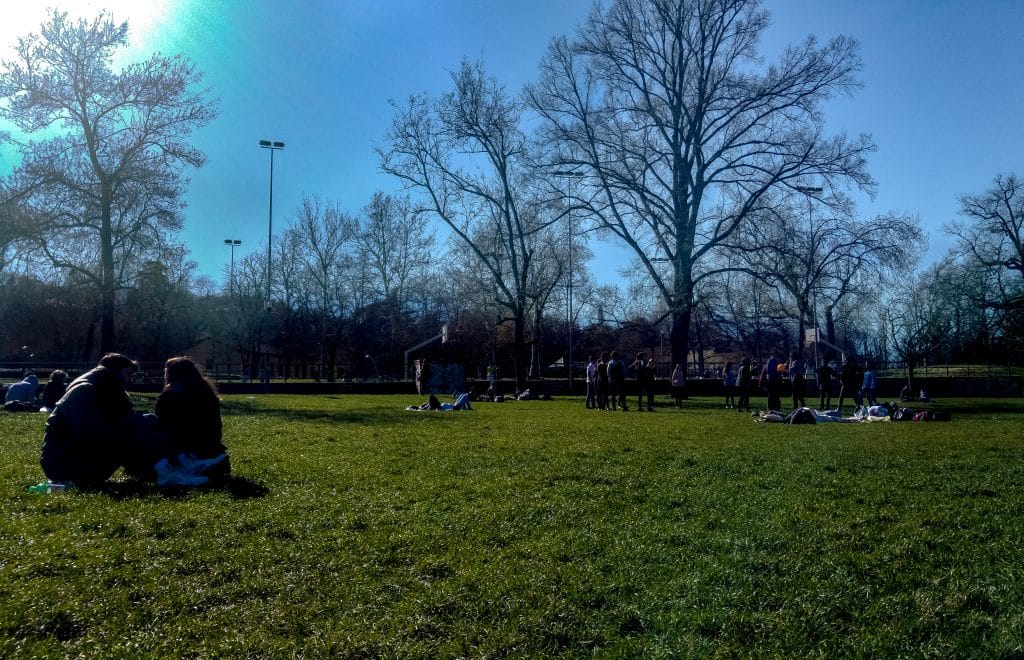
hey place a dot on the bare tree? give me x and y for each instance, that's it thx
(681, 134)
(397, 245)
(819, 261)
(105, 179)
(917, 318)
(323, 236)
(466, 152)
(994, 235)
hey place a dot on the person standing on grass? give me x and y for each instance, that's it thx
(729, 377)
(850, 381)
(773, 381)
(825, 374)
(643, 383)
(797, 369)
(677, 383)
(617, 379)
(744, 382)
(591, 401)
(869, 387)
(602, 382)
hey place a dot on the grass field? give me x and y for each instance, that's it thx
(355, 528)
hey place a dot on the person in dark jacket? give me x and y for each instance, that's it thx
(617, 381)
(90, 429)
(825, 374)
(189, 412)
(55, 389)
(644, 382)
(850, 380)
(745, 382)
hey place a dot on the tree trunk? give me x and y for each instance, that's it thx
(519, 332)
(679, 337)
(535, 346)
(830, 332)
(107, 278)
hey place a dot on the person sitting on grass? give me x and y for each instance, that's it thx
(21, 396)
(55, 389)
(93, 431)
(189, 411)
(462, 401)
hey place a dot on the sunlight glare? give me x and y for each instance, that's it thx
(144, 19)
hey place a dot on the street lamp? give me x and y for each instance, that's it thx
(272, 146)
(570, 175)
(232, 243)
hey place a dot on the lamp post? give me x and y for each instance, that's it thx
(570, 175)
(272, 146)
(232, 243)
(809, 192)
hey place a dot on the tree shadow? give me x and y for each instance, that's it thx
(237, 487)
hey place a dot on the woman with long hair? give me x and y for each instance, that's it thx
(189, 411)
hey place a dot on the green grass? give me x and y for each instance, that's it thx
(528, 529)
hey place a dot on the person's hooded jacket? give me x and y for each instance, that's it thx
(24, 391)
(86, 433)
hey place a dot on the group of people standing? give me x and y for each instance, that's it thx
(606, 382)
(857, 383)
(93, 430)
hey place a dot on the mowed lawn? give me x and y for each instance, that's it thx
(355, 528)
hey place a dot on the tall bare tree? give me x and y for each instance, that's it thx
(324, 237)
(818, 261)
(397, 244)
(466, 153)
(993, 232)
(681, 133)
(105, 177)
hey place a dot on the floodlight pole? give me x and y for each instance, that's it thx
(272, 146)
(570, 175)
(809, 192)
(232, 243)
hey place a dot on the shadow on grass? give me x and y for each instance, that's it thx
(363, 417)
(239, 488)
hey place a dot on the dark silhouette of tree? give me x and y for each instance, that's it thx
(681, 134)
(993, 234)
(466, 153)
(104, 178)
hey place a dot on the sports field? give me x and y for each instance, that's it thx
(356, 528)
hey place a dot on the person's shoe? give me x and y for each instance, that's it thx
(190, 463)
(170, 475)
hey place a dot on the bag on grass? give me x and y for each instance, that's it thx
(939, 416)
(903, 415)
(921, 416)
(802, 416)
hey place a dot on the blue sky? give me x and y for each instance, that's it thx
(942, 97)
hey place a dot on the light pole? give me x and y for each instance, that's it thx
(232, 243)
(570, 175)
(809, 192)
(272, 146)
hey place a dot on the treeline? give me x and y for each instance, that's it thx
(714, 168)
